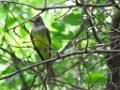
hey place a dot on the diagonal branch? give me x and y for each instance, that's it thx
(56, 58)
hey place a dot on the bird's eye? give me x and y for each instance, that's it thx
(38, 20)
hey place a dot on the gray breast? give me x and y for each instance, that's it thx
(40, 29)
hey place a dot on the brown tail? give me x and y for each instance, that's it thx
(50, 70)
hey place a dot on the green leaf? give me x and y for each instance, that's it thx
(58, 26)
(56, 45)
(72, 19)
(10, 21)
(7, 70)
(96, 78)
(23, 33)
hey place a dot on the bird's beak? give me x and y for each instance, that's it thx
(31, 20)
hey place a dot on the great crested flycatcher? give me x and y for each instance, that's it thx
(40, 37)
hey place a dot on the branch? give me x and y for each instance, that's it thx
(115, 4)
(56, 58)
(91, 23)
(60, 7)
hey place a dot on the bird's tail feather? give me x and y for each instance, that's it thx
(50, 70)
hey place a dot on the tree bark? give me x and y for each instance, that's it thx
(114, 59)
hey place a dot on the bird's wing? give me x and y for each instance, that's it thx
(31, 36)
(49, 39)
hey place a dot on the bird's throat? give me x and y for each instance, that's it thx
(39, 29)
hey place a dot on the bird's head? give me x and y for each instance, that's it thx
(37, 21)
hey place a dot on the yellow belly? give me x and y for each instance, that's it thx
(42, 43)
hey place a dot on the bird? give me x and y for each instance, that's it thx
(41, 40)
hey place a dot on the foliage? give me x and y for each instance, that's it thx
(70, 31)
